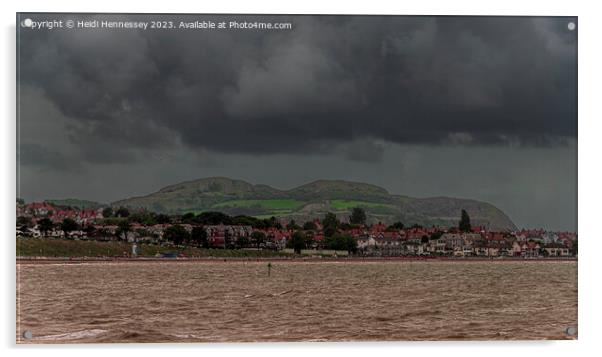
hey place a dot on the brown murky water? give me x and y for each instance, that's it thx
(300, 301)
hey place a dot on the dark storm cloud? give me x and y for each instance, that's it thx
(364, 150)
(45, 158)
(330, 81)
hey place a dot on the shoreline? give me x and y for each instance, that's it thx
(85, 260)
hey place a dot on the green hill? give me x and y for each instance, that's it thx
(337, 189)
(75, 203)
(313, 200)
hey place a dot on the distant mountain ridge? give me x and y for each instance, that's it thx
(76, 203)
(314, 200)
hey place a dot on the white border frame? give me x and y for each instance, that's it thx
(589, 177)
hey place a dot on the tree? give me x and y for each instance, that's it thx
(122, 212)
(198, 235)
(138, 217)
(309, 239)
(20, 201)
(346, 226)
(89, 230)
(330, 224)
(188, 217)
(341, 242)
(242, 241)
(334, 242)
(396, 226)
(351, 244)
(464, 224)
(24, 221)
(436, 235)
(309, 226)
(292, 225)
(45, 225)
(123, 228)
(358, 216)
(273, 222)
(162, 219)
(212, 218)
(107, 212)
(258, 238)
(176, 234)
(68, 225)
(243, 220)
(297, 242)
(143, 217)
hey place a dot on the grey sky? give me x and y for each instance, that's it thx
(480, 108)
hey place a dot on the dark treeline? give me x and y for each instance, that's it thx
(210, 218)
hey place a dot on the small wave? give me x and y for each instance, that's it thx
(246, 296)
(457, 336)
(186, 336)
(384, 318)
(140, 336)
(71, 335)
(420, 313)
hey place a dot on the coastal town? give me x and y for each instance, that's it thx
(350, 235)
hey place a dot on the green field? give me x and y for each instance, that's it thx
(278, 204)
(349, 204)
(49, 247)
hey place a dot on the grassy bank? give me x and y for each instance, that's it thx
(47, 247)
(283, 204)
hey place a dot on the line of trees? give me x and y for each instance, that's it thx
(334, 239)
(178, 235)
(150, 218)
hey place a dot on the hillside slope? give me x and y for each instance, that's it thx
(314, 200)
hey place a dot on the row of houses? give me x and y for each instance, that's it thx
(375, 239)
(460, 245)
(56, 214)
(218, 236)
(370, 242)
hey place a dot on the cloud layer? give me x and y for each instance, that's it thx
(473, 107)
(330, 81)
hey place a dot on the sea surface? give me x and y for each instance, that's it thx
(237, 301)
